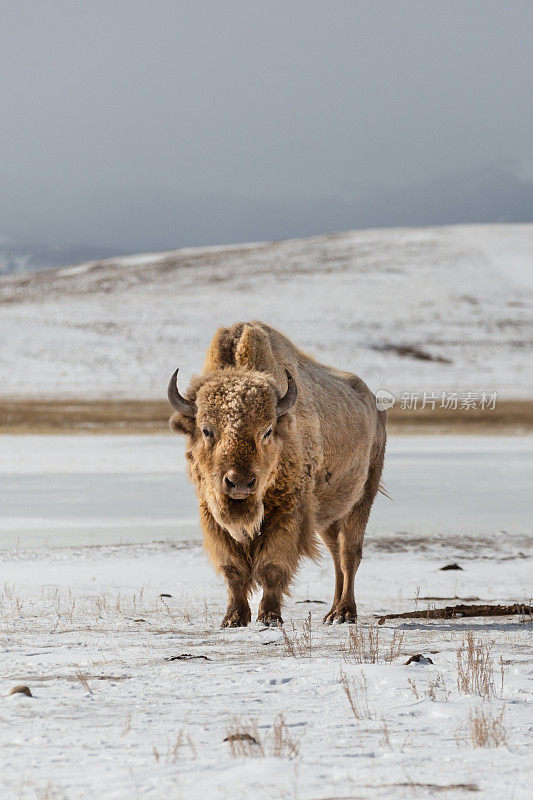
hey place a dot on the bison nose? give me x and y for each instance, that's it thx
(237, 485)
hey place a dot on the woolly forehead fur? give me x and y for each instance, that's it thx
(233, 397)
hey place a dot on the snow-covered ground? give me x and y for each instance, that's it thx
(461, 295)
(86, 629)
(112, 717)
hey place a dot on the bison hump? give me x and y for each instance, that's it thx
(245, 345)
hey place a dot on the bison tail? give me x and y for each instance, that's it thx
(383, 491)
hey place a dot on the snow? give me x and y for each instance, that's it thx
(112, 733)
(513, 259)
(118, 328)
(86, 628)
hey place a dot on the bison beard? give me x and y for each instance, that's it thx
(280, 449)
(238, 517)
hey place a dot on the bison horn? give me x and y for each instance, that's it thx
(185, 407)
(286, 402)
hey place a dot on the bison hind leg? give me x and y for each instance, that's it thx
(340, 613)
(330, 537)
(345, 543)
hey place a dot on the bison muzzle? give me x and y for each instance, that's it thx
(280, 449)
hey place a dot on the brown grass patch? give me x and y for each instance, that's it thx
(151, 416)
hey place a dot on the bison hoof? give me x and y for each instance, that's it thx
(344, 612)
(236, 618)
(272, 619)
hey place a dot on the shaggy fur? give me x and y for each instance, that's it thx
(316, 473)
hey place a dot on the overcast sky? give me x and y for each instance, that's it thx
(145, 125)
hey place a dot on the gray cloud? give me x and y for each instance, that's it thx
(143, 125)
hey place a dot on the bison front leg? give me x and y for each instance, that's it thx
(232, 560)
(238, 613)
(274, 581)
(286, 537)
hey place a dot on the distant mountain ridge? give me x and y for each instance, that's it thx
(17, 257)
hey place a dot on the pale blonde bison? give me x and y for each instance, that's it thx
(280, 448)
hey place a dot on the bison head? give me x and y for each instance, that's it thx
(235, 425)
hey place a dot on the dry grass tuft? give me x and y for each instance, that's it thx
(365, 647)
(437, 689)
(475, 668)
(356, 691)
(47, 793)
(244, 739)
(284, 745)
(299, 644)
(175, 748)
(10, 604)
(484, 728)
(182, 740)
(414, 689)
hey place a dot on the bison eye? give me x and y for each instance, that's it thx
(207, 433)
(267, 434)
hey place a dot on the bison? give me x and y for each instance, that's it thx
(280, 448)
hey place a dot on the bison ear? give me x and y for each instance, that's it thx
(178, 423)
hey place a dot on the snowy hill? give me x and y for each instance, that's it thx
(411, 309)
